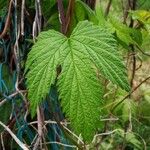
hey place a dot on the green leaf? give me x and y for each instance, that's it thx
(128, 108)
(101, 18)
(130, 138)
(87, 11)
(143, 17)
(126, 34)
(53, 22)
(42, 62)
(143, 4)
(3, 4)
(89, 49)
(79, 11)
(46, 7)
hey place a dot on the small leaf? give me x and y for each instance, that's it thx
(79, 11)
(126, 34)
(88, 11)
(143, 17)
(130, 138)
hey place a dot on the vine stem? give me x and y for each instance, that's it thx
(69, 15)
(61, 15)
(22, 16)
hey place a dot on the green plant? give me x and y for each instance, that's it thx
(87, 52)
(74, 91)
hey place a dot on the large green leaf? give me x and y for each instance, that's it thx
(89, 49)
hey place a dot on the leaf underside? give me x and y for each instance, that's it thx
(87, 49)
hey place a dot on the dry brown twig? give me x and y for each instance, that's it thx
(146, 79)
(40, 123)
(22, 16)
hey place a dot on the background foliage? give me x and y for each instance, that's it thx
(125, 120)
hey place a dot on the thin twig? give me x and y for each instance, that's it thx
(73, 134)
(107, 133)
(108, 8)
(22, 17)
(40, 129)
(142, 51)
(7, 23)
(37, 23)
(2, 141)
(110, 119)
(11, 96)
(38, 15)
(34, 31)
(22, 145)
(140, 65)
(59, 143)
(130, 93)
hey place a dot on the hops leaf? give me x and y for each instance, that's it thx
(87, 49)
